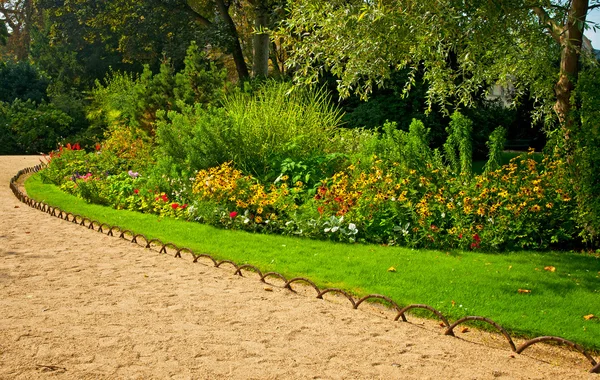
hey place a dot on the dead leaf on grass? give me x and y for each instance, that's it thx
(550, 269)
(391, 269)
(524, 291)
(589, 316)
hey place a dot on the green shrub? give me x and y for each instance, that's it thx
(22, 81)
(458, 146)
(586, 154)
(34, 128)
(133, 101)
(258, 132)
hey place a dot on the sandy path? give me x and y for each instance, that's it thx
(78, 304)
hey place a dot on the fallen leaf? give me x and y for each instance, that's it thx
(550, 268)
(442, 324)
(464, 330)
(391, 269)
(269, 289)
(589, 316)
(524, 291)
(453, 303)
(16, 206)
(509, 267)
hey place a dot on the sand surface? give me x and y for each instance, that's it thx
(75, 303)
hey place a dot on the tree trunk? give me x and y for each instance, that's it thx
(261, 40)
(571, 41)
(236, 48)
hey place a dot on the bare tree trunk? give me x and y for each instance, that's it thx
(260, 63)
(570, 41)
(236, 47)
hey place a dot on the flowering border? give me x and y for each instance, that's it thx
(166, 247)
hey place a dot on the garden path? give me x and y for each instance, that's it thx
(75, 303)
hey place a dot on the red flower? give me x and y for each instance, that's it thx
(320, 210)
(76, 146)
(338, 199)
(164, 198)
(174, 206)
(98, 146)
(184, 206)
(477, 238)
(233, 214)
(136, 191)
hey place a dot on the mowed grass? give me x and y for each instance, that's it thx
(458, 283)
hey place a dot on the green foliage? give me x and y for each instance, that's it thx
(32, 128)
(458, 48)
(458, 146)
(409, 149)
(133, 101)
(257, 131)
(21, 81)
(495, 146)
(586, 154)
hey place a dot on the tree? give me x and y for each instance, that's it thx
(145, 30)
(15, 26)
(462, 47)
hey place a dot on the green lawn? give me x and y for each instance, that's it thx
(458, 283)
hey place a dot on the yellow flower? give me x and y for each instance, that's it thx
(285, 177)
(259, 210)
(450, 206)
(258, 219)
(549, 205)
(566, 198)
(480, 211)
(535, 208)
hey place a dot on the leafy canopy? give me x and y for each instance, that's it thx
(462, 47)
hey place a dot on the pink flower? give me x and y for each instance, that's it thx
(233, 214)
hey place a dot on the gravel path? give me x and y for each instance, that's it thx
(75, 303)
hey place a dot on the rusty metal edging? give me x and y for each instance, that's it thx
(134, 238)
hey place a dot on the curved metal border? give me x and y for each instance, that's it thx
(377, 296)
(70, 217)
(450, 329)
(340, 291)
(421, 306)
(248, 266)
(301, 279)
(559, 340)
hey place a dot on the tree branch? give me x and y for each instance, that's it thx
(197, 16)
(554, 29)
